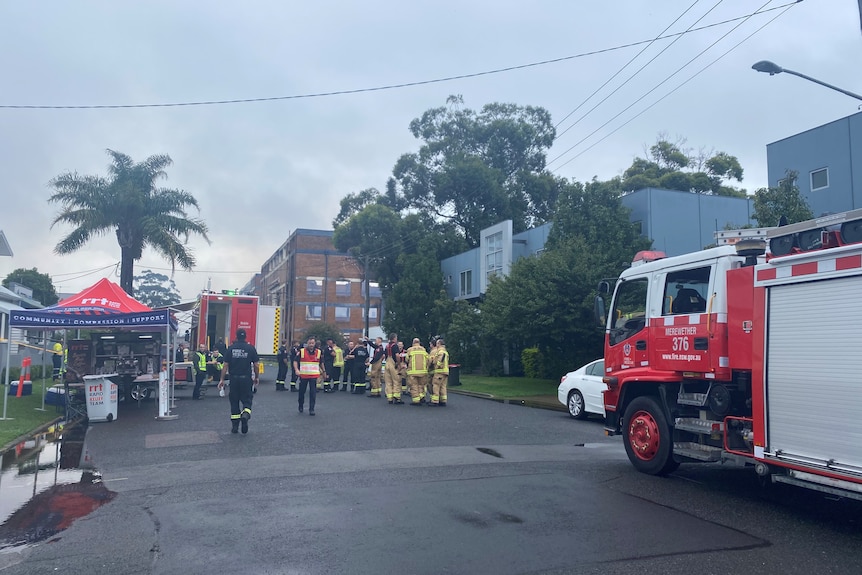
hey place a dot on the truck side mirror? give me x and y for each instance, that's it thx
(604, 287)
(599, 311)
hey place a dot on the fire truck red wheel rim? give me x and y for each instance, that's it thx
(644, 435)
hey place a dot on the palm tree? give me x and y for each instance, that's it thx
(128, 202)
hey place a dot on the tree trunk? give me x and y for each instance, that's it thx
(127, 263)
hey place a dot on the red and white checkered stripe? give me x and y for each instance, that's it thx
(803, 267)
(691, 319)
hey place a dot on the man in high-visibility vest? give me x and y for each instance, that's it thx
(57, 360)
(417, 371)
(337, 367)
(440, 370)
(309, 366)
(201, 358)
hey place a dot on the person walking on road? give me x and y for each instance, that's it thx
(241, 363)
(376, 365)
(309, 366)
(200, 363)
(281, 359)
(417, 371)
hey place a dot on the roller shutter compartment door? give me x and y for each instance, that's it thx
(814, 370)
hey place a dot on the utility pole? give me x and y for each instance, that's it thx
(367, 295)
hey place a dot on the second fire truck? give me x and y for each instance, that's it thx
(734, 354)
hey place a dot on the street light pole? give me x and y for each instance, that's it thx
(772, 69)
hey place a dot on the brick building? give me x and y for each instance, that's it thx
(313, 282)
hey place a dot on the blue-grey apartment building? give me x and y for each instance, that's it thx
(828, 161)
(677, 222)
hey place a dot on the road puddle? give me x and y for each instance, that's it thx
(46, 483)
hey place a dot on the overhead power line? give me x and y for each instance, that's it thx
(651, 90)
(689, 79)
(375, 88)
(639, 70)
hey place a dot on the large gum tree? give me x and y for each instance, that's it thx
(129, 203)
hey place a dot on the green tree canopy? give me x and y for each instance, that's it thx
(129, 204)
(667, 165)
(156, 290)
(475, 169)
(546, 301)
(41, 284)
(770, 204)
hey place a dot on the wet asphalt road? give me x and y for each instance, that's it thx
(476, 487)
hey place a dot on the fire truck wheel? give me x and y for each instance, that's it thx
(576, 405)
(648, 437)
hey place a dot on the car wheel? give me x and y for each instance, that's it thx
(139, 392)
(648, 438)
(576, 405)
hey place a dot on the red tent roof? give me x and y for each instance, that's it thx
(103, 297)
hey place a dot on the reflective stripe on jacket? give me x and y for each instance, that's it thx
(417, 361)
(441, 361)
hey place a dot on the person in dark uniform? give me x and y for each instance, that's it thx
(179, 356)
(294, 357)
(241, 362)
(281, 358)
(328, 365)
(360, 366)
(347, 372)
(221, 347)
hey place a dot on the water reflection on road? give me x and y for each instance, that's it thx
(46, 483)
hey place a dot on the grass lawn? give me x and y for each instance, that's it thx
(507, 387)
(25, 417)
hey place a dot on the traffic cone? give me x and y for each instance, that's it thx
(25, 374)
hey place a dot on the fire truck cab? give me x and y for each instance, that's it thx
(733, 354)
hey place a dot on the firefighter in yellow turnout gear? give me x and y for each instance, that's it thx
(392, 371)
(417, 371)
(440, 374)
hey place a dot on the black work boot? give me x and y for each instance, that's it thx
(234, 426)
(343, 387)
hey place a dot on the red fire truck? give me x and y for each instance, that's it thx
(733, 354)
(219, 315)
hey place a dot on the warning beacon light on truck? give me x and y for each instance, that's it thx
(647, 256)
(820, 233)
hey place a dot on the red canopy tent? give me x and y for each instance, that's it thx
(102, 297)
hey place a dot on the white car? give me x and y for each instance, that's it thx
(581, 390)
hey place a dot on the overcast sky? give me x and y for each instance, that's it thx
(261, 170)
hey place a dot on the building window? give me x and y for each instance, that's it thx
(342, 313)
(820, 179)
(374, 289)
(314, 287)
(314, 312)
(342, 288)
(494, 254)
(466, 283)
(372, 312)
